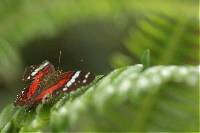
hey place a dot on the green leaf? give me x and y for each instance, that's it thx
(158, 98)
(6, 115)
(145, 59)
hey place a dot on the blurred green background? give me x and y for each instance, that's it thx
(97, 36)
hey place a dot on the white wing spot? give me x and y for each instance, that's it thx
(64, 89)
(87, 75)
(68, 84)
(84, 81)
(39, 68)
(73, 79)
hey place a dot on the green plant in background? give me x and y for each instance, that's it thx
(172, 40)
(23, 20)
(160, 98)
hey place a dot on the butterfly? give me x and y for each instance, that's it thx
(44, 81)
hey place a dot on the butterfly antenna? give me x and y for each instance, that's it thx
(59, 59)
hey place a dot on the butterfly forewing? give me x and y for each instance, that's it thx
(31, 71)
(79, 79)
(35, 75)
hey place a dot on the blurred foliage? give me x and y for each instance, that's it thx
(159, 98)
(22, 21)
(172, 40)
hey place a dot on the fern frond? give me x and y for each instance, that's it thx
(128, 99)
(171, 40)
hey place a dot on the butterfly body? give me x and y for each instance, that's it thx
(44, 80)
